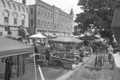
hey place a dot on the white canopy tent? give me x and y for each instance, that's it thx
(38, 35)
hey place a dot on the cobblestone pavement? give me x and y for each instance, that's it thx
(88, 72)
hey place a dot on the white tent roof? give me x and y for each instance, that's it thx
(38, 35)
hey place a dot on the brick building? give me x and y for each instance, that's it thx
(12, 15)
(49, 19)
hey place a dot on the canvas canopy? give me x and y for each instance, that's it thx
(38, 35)
(9, 47)
(67, 39)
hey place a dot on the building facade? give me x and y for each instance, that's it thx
(49, 19)
(12, 15)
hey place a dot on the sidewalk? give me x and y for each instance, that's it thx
(69, 73)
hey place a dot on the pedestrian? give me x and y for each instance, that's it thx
(100, 61)
(8, 68)
(47, 56)
(96, 61)
(36, 51)
(110, 52)
(82, 57)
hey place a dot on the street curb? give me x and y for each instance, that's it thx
(69, 73)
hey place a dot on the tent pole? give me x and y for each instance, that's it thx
(35, 66)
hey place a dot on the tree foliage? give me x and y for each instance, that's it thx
(99, 13)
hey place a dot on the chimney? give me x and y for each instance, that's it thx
(24, 2)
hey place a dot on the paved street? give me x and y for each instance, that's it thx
(69, 73)
(88, 72)
(50, 73)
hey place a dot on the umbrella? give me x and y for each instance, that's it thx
(39, 35)
(86, 38)
(66, 39)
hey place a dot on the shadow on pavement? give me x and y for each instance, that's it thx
(59, 65)
(92, 68)
(56, 66)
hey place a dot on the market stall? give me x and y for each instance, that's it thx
(9, 49)
(87, 49)
(64, 50)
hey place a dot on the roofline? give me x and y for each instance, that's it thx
(45, 3)
(18, 3)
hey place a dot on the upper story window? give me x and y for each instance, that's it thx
(45, 24)
(23, 8)
(15, 15)
(31, 10)
(39, 22)
(23, 19)
(14, 6)
(48, 14)
(45, 13)
(55, 25)
(42, 23)
(48, 24)
(9, 4)
(3, 3)
(39, 11)
(26, 9)
(42, 12)
(51, 15)
(31, 22)
(19, 7)
(6, 16)
(51, 24)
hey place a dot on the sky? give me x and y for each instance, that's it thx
(64, 5)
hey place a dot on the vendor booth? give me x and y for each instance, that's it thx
(9, 51)
(63, 49)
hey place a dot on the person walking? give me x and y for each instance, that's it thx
(110, 52)
(36, 51)
(47, 55)
(8, 68)
(81, 57)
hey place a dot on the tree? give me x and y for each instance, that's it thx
(99, 13)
